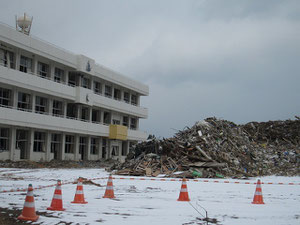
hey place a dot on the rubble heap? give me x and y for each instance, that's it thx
(218, 148)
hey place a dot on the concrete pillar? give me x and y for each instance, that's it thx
(137, 123)
(88, 150)
(52, 70)
(138, 100)
(90, 113)
(50, 106)
(33, 102)
(76, 148)
(78, 111)
(35, 66)
(61, 154)
(15, 98)
(30, 144)
(66, 77)
(108, 149)
(99, 142)
(12, 145)
(17, 59)
(122, 95)
(65, 108)
(48, 146)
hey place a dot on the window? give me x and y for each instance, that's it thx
(40, 105)
(57, 108)
(125, 121)
(95, 116)
(24, 102)
(133, 99)
(82, 145)
(25, 64)
(126, 97)
(115, 151)
(85, 114)
(6, 58)
(117, 94)
(43, 70)
(104, 146)
(5, 97)
(107, 119)
(69, 145)
(85, 82)
(72, 79)
(71, 111)
(55, 142)
(124, 148)
(4, 138)
(116, 121)
(39, 142)
(58, 75)
(94, 146)
(108, 91)
(133, 123)
(97, 87)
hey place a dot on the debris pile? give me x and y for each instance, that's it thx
(218, 148)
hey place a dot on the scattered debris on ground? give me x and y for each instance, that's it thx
(56, 164)
(219, 148)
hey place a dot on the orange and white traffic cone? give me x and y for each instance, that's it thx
(184, 195)
(109, 192)
(79, 196)
(57, 203)
(258, 198)
(28, 212)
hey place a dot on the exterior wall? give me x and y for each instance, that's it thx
(80, 95)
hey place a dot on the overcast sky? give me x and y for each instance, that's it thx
(232, 59)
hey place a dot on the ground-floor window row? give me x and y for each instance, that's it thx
(59, 108)
(97, 146)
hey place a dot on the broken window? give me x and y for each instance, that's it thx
(40, 105)
(6, 58)
(94, 146)
(97, 87)
(117, 94)
(43, 70)
(57, 108)
(24, 102)
(55, 142)
(59, 75)
(4, 139)
(108, 91)
(126, 97)
(69, 145)
(5, 97)
(25, 64)
(39, 142)
(115, 151)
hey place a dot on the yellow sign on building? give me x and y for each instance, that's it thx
(118, 132)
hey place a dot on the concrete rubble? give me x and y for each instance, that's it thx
(219, 148)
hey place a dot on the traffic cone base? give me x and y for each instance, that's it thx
(258, 198)
(57, 203)
(79, 196)
(109, 192)
(28, 212)
(34, 218)
(184, 195)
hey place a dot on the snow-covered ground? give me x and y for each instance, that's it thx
(153, 202)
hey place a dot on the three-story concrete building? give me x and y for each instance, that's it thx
(58, 105)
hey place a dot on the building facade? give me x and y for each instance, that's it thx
(58, 105)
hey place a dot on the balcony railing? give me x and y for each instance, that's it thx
(72, 85)
(56, 115)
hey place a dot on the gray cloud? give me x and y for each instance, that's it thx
(238, 60)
